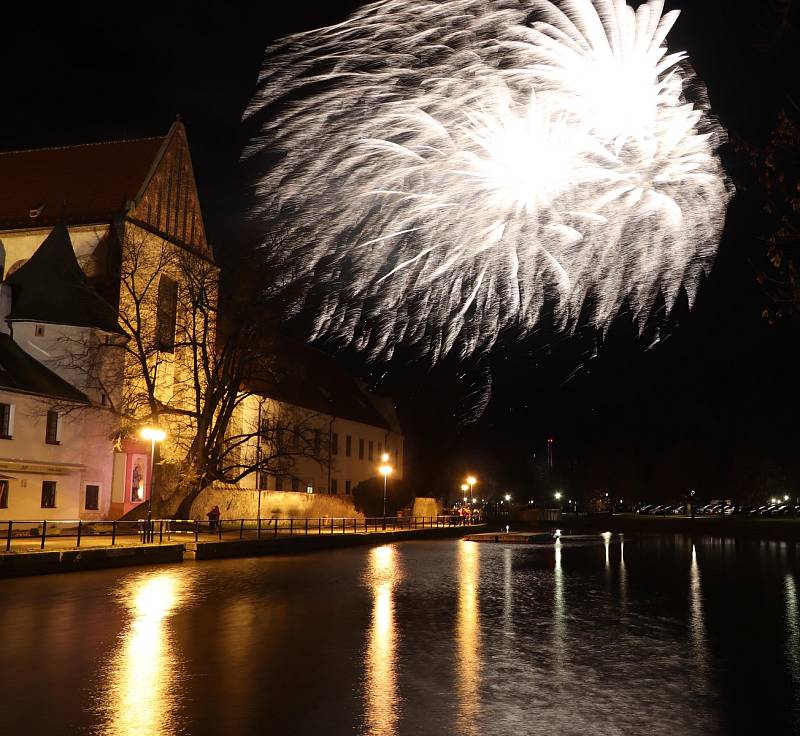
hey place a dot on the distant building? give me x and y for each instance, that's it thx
(355, 427)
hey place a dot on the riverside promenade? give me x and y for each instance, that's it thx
(72, 549)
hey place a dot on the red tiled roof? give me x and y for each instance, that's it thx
(76, 184)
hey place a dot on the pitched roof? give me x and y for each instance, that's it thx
(75, 184)
(51, 287)
(308, 378)
(20, 372)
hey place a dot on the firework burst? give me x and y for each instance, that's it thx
(445, 169)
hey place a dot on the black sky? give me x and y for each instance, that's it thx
(713, 405)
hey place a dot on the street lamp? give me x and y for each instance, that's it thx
(154, 434)
(508, 496)
(385, 470)
(471, 481)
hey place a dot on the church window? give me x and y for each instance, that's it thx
(185, 214)
(166, 314)
(170, 207)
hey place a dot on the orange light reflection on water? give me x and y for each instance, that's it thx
(142, 692)
(381, 698)
(468, 637)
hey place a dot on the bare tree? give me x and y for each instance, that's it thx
(198, 366)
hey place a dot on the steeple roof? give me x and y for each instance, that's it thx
(51, 287)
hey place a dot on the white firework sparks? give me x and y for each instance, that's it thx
(447, 168)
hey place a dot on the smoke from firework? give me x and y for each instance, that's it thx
(446, 169)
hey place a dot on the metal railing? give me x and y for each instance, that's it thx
(72, 534)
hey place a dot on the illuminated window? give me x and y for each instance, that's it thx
(138, 475)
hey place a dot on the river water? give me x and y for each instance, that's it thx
(598, 635)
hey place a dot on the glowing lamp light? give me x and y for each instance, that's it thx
(508, 496)
(152, 434)
(385, 457)
(558, 496)
(464, 487)
(385, 470)
(472, 480)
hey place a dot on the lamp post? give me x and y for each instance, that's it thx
(154, 434)
(385, 470)
(557, 496)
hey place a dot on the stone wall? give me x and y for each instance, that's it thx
(237, 503)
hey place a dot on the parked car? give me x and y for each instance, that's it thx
(678, 509)
(645, 509)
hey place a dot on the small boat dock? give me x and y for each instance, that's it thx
(512, 537)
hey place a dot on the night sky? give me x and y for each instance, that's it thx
(712, 405)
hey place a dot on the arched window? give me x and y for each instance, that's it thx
(167, 314)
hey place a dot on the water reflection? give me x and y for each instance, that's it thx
(508, 591)
(623, 577)
(697, 626)
(142, 692)
(559, 621)
(381, 699)
(793, 644)
(468, 637)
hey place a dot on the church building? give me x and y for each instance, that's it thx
(67, 214)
